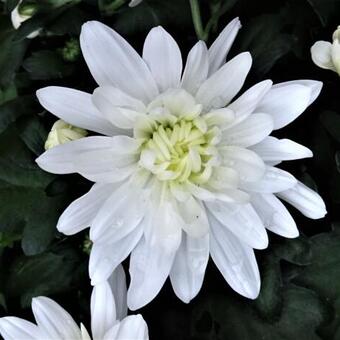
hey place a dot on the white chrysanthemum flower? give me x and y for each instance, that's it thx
(18, 17)
(327, 55)
(53, 322)
(62, 132)
(184, 171)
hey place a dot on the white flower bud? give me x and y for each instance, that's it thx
(18, 16)
(336, 34)
(327, 55)
(63, 132)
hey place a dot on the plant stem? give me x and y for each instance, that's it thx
(197, 20)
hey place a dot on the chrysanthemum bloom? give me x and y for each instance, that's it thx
(54, 323)
(327, 55)
(184, 171)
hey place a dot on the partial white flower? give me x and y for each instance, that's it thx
(18, 17)
(184, 170)
(327, 55)
(54, 323)
(62, 132)
(134, 3)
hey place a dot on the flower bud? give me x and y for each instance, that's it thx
(63, 132)
(336, 34)
(336, 55)
(21, 13)
(71, 51)
(326, 54)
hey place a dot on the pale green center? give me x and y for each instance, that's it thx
(178, 145)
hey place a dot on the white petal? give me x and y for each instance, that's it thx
(249, 132)
(274, 215)
(272, 149)
(247, 102)
(235, 260)
(200, 192)
(274, 180)
(151, 260)
(194, 217)
(61, 158)
(117, 107)
(12, 328)
(132, 327)
(162, 223)
(119, 215)
(314, 85)
(104, 258)
(103, 310)
(221, 87)
(249, 166)
(189, 266)
(210, 194)
(285, 103)
(112, 164)
(112, 333)
(163, 57)
(117, 282)
(196, 68)
(307, 201)
(53, 320)
(218, 51)
(80, 213)
(150, 265)
(242, 220)
(84, 333)
(224, 178)
(76, 108)
(322, 55)
(232, 196)
(112, 61)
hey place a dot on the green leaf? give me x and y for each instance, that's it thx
(42, 65)
(323, 273)
(265, 38)
(325, 9)
(296, 251)
(17, 166)
(11, 4)
(337, 160)
(46, 15)
(148, 14)
(331, 121)
(269, 302)
(36, 214)
(11, 53)
(8, 93)
(25, 204)
(33, 133)
(68, 23)
(44, 274)
(234, 318)
(10, 111)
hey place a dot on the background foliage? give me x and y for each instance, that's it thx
(300, 296)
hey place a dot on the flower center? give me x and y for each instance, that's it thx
(179, 143)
